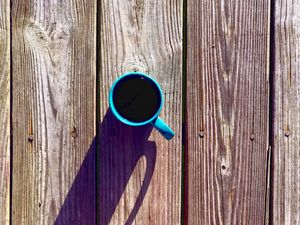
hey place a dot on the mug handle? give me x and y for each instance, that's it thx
(163, 128)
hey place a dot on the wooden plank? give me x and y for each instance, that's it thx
(140, 171)
(54, 73)
(285, 205)
(4, 111)
(227, 111)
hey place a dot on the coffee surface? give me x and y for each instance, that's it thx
(136, 99)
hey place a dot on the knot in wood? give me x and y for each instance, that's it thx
(74, 132)
(137, 66)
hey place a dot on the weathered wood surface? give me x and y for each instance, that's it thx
(227, 111)
(54, 73)
(285, 205)
(140, 171)
(4, 111)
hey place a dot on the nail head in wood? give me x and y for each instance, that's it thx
(223, 167)
(30, 137)
(201, 134)
(287, 133)
(112, 132)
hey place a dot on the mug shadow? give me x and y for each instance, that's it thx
(79, 205)
(120, 148)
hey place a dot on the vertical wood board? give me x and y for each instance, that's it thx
(285, 185)
(140, 171)
(54, 73)
(4, 111)
(227, 111)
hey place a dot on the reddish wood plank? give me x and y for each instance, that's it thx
(227, 111)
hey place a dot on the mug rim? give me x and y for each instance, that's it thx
(115, 112)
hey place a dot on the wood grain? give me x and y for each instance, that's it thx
(4, 111)
(54, 73)
(227, 111)
(140, 171)
(285, 207)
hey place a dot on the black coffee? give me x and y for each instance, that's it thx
(136, 99)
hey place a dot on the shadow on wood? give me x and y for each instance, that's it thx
(79, 205)
(121, 147)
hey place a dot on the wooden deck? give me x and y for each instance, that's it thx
(230, 75)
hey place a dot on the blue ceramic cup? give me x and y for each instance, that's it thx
(155, 120)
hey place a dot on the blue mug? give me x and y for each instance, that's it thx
(155, 120)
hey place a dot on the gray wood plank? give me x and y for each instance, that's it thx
(140, 171)
(54, 73)
(4, 111)
(227, 111)
(285, 205)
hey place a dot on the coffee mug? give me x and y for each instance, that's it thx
(136, 99)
